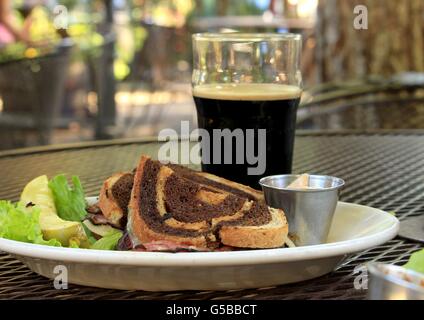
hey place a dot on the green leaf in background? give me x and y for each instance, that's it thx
(22, 224)
(69, 201)
(108, 242)
(416, 262)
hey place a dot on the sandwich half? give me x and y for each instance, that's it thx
(173, 205)
(114, 198)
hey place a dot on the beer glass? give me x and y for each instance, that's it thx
(246, 88)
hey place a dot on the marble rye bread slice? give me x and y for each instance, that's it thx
(114, 198)
(115, 192)
(168, 206)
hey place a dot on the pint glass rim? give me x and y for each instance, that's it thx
(244, 36)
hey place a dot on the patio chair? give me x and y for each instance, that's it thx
(373, 104)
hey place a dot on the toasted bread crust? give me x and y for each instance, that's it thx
(144, 234)
(272, 235)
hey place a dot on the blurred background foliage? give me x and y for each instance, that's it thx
(132, 19)
(122, 68)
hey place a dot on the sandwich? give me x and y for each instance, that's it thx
(186, 208)
(173, 208)
(115, 193)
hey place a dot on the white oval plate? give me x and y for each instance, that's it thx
(354, 228)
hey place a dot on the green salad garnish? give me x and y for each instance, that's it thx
(21, 223)
(108, 242)
(69, 201)
(52, 210)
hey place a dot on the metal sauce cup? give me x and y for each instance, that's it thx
(309, 211)
(390, 282)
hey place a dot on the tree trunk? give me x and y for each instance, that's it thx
(393, 42)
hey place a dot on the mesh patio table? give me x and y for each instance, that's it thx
(382, 169)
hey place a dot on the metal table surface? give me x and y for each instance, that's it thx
(383, 170)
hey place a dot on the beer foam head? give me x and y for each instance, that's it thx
(247, 91)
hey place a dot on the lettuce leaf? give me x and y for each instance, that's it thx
(108, 242)
(416, 262)
(89, 234)
(22, 224)
(73, 243)
(69, 201)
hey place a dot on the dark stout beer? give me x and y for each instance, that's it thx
(271, 107)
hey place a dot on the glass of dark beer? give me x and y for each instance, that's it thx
(246, 88)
